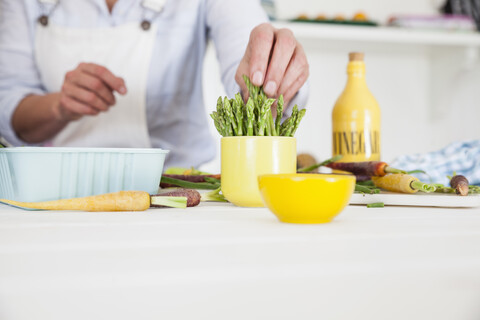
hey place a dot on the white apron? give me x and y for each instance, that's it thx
(126, 51)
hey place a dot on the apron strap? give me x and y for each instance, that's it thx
(152, 5)
(52, 2)
(156, 6)
(47, 7)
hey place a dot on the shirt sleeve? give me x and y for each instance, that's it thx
(229, 23)
(18, 73)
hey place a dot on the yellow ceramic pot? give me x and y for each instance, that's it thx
(245, 158)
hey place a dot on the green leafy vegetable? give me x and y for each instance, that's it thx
(368, 183)
(214, 195)
(233, 117)
(321, 164)
(425, 187)
(173, 202)
(212, 180)
(415, 171)
(473, 189)
(191, 185)
(182, 171)
(366, 189)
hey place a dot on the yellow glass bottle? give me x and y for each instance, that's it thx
(356, 117)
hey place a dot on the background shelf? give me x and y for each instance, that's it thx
(378, 35)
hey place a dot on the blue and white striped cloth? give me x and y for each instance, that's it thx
(462, 157)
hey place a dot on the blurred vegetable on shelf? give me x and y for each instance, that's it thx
(303, 17)
(359, 19)
(360, 16)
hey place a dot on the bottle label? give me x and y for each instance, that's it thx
(357, 145)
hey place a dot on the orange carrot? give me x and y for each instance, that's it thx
(365, 168)
(116, 201)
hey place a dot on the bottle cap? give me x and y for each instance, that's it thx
(356, 56)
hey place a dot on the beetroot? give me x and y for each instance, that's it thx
(460, 184)
(193, 196)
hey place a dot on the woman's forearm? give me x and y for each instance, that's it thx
(38, 119)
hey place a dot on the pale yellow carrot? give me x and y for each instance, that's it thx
(396, 183)
(403, 183)
(116, 201)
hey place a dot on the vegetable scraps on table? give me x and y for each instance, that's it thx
(367, 187)
(194, 179)
(375, 175)
(233, 117)
(459, 184)
(376, 205)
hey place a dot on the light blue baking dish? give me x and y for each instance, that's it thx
(50, 173)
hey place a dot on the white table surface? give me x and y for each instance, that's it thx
(218, 261)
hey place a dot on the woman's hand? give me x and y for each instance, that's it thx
(275, 60)
(87, 90)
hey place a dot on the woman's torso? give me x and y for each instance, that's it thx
(174, 102)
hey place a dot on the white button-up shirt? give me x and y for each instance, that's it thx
(177, 120)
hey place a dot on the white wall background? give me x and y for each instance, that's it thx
(418, 114)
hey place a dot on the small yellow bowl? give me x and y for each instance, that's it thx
(306, 198)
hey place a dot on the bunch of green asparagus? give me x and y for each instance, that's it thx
(235, 118)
